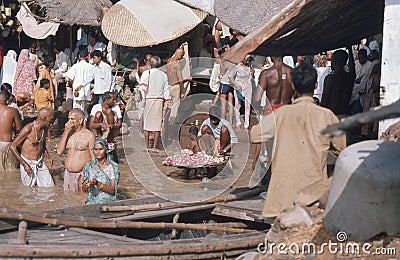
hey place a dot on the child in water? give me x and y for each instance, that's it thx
(194, 146)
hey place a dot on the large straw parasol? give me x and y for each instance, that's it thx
(82, 12)
(138, 23)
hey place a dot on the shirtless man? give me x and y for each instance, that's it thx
(78, 141)
(10, 123)
(147, 66)
(277, 84)
(32, 139)
(175, 78)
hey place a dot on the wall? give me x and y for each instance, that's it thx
(390, 79)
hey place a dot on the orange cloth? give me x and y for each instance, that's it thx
(42, 98)
(45, 74)
(268, 109)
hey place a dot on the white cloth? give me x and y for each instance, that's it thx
(157, 86)
(247, 110)
(82, 37)
(97, 108)
(62, 69)
(361, 69)
(216, 129)
(322, 72)
(60, 58)
(111, 53)
(31, 26)
(214, 78)
(40, 175)
(81, 74)
(102, 78)
(288, 60)
(9, 68)
(82, 105)
(99, 46)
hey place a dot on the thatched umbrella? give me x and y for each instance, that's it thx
(81, 12)
(138, 23)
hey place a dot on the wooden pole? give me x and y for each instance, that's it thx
(71, 47)
(95, 223)
(262, 33)
(22, 229)
(391, 111)
(151, 249)
(155, 206)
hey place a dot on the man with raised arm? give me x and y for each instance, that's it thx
(78, 141)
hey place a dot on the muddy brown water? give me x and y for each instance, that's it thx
(14, 195)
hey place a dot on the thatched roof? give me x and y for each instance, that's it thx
(82, 12)
(319, 25)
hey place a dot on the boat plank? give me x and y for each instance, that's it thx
(164, 212)
(246, 209)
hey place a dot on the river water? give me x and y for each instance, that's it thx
(14, 195)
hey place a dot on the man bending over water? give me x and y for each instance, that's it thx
(32, 139)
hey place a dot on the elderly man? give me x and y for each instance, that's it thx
(32, 139)
(300, 155)
(154, 83)
(10, 123)
(78, 141)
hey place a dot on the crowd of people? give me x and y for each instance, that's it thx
(296, 97)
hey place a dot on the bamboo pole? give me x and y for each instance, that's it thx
(386, 112)
(132, 250)
(95, 223)
(155, 206)
(262, 33)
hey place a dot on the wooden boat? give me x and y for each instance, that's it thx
(147, 228)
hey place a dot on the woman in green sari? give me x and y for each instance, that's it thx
(100, 176)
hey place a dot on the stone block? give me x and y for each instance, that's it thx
(364, 199)
(295, 217)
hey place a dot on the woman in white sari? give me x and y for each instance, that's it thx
(9, 68)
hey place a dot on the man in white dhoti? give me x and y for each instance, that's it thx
(154, 83)
(32, 140)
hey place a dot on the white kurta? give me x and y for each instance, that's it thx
(81, 74)
(102, 78)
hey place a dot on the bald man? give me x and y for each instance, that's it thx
(175, 78)
(78, 140)
(10, 123)
(32, 140)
